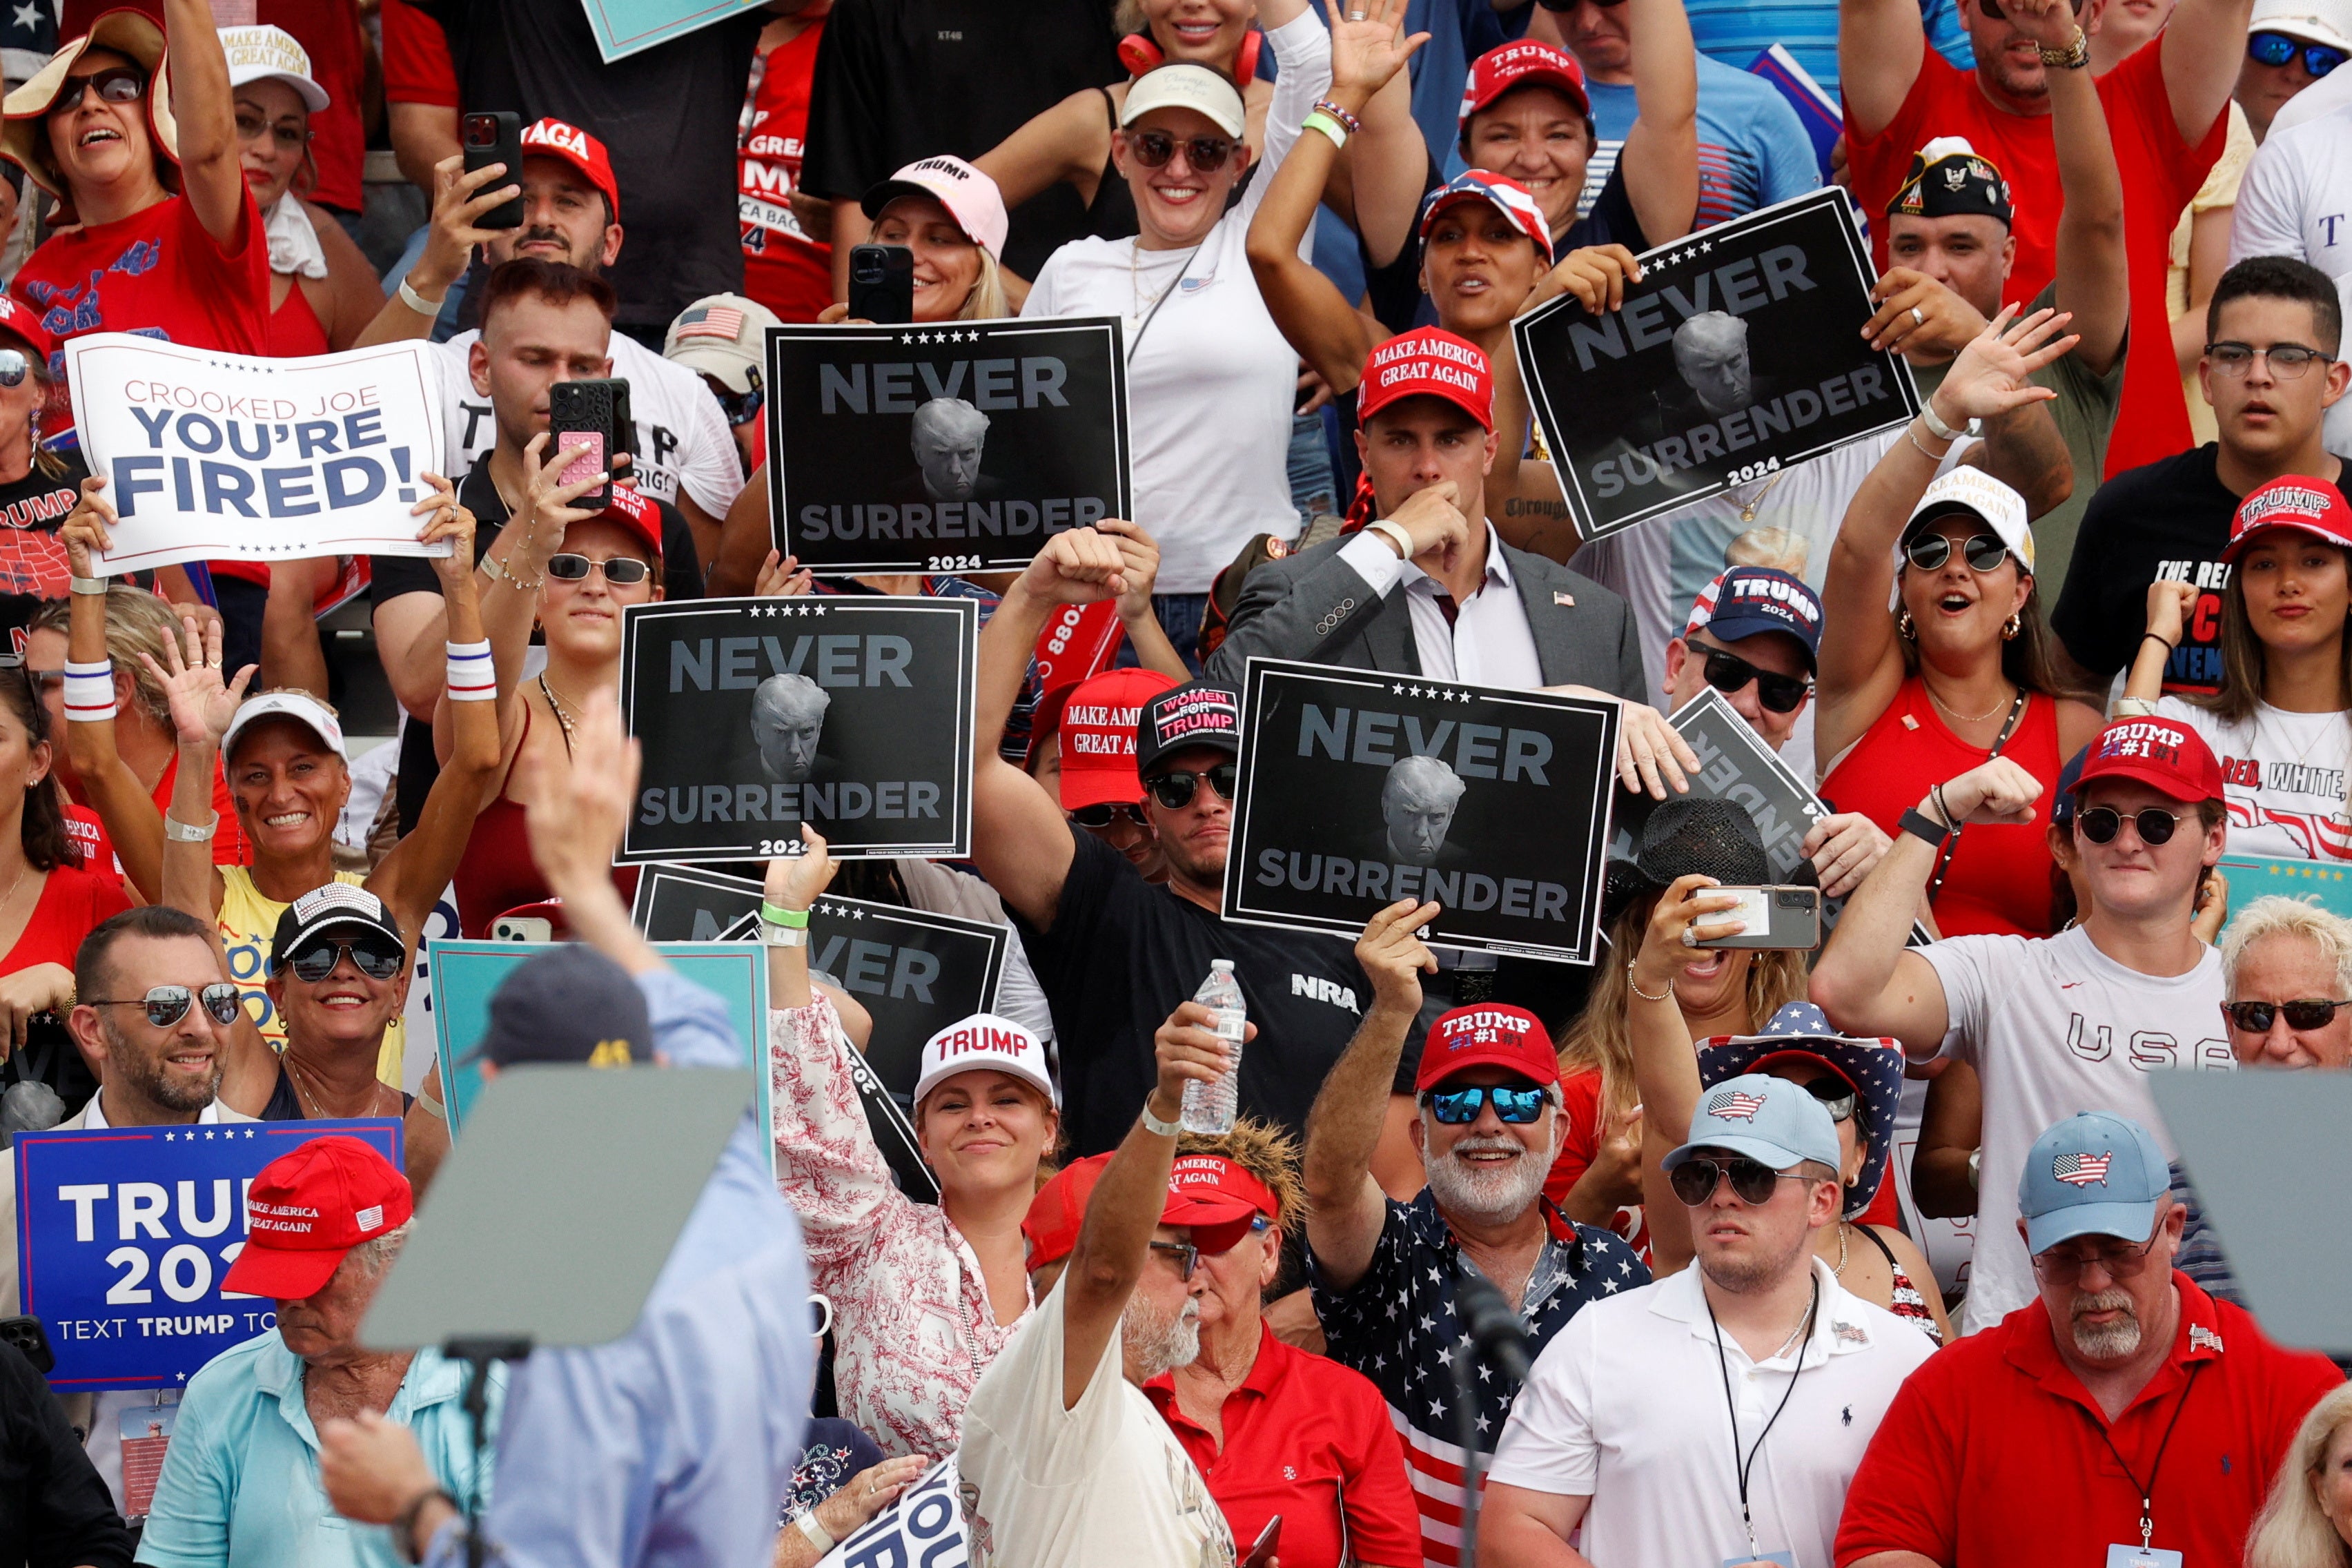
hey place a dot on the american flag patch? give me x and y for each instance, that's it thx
(1737, 1105)
(2082, 1170)
(711, 321)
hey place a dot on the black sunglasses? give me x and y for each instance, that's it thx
(1188, 1256)
(167, 1005)
(2102, 823)
(1460, 1107)
(1930, 551)
(2256, 1017)
(741, 408)
(1752, 1181)
(1206, 154)
(619, 570)
(1836, 1095)
(13, 367)
(1727, 673)
(1175, 790)
(115, 84)
(373, 957)
(1103, 816)
(2268, 48)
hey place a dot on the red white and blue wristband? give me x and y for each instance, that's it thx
(90, 691)
(472, 676)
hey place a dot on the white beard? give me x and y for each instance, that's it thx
(1157, 1341)
(1490, 1195)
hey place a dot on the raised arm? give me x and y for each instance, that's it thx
(509, 601)
(290, 652)
(2094, 284)
(1345, 1205)
(1661, 153)
(1665, 1067)
(459, 198)
(2203, 44)
(1130, 1197)
(1881, 46)
(122, 802)
(1019, 839)
(2169, 606)
(211, 175)
(202, 707)
(1302, 51)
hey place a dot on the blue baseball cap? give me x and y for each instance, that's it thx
(1764, 1117)
(1747, 600)
(2092, 1175)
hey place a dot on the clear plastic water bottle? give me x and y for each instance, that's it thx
(1210, 1107)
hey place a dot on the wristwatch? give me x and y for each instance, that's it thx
(2073, 57)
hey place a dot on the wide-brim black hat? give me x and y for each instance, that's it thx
(1687, 836)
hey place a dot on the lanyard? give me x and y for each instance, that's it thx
(2147, 1492)
(1743, 1467)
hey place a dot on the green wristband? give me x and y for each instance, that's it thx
(795, 918)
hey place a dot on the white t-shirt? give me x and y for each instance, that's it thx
(1210, 382)
(1660, 565)
(1103, 1482)
(2297, 200)
(682, 436)
(2282, 777)
(2054, 1027)
(1626, 1405)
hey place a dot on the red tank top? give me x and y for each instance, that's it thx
(295, 331)
(497, 873)
(1999, 879)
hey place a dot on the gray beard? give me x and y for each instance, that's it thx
(1157, 1341)
(1488, 1196)
(2116, 1341)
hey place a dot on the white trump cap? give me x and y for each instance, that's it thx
(985, 1042)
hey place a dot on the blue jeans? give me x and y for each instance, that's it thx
(1180, 617)
(1312, 488)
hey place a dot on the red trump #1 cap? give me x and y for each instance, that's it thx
(2159, 753)
(1428, 361)
(309, 1208)
(1488, 1034)
(2306, 505)
(1098, 726)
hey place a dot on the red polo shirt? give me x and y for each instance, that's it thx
(1994, 1453)
(1311, 1440)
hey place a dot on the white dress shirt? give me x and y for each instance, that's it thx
(1489, 642)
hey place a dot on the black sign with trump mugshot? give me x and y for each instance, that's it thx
(1358, 789)
(954, 447)
(1737, 354)
(852, 714)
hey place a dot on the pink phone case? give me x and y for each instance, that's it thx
(589, 464)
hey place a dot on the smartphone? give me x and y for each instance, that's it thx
(496, 137)
(1782, 917)
(28, 1335)
(1262, 1552)
(587, 412)
(881, 284)
(624, 432)
(522, 927)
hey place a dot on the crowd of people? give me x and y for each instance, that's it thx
(1502, 1258)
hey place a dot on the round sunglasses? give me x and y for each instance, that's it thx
(1752, 1181)
(1930, 551)
(620, 571)
(1727, 673)
(167, 1005)
(2256, 1017)
(376, 959)
(2102, 823)
(1206, 154)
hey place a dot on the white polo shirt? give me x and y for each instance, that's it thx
(1626, 1406)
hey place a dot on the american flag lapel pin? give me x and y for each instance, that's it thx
(1564, 601)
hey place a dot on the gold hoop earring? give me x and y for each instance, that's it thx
(2015, 624)
(1905, 628)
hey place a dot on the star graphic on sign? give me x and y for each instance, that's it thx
(1707, 244)
(1397, 690)
(249, 1133)
(208, 1135)
(181, 1377)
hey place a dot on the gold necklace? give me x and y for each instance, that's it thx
(1959, 716)
(1747, 509)
(556, 707)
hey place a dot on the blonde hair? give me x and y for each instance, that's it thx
(986, 302)
(2290, 1531)
(2276, 915)
(137, 622)
(1267, 1152)
(1597, 1041)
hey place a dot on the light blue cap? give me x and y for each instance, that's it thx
(2092, 1175)
(1765, 1117)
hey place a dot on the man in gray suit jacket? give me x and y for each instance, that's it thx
(1429, 588)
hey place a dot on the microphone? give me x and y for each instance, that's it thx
(1491, 1324)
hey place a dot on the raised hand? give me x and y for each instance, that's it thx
(795, 881)
(1595, 274)
(445, 519)
(1392, 955)
(1994, 791)
(459, 200)
(1139, 556)
(1368, 48)
(546, 501)
(202, 706)
(782, 577)
(578, 808)
(2169, 606)
(1082, 567)
(1994, 373)
(85, 534)
(1187, 1049)
(1688, 912)
(1916, 315)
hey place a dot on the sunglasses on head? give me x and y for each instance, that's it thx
(2256, 1017)
(167, 1005)
(620, 570)
(1103, 816)
(2268, 48)
(1516, 1104)
(115, 84)
(1836, 1095)
(1752, 1181)
(1930, 551)
(372, 956)
(1206, 154)
(1727, 673)
(1188, 1256)
(2100, 824)
(1175, 789)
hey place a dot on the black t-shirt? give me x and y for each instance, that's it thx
(1122, 954)
(2168, 519)
(1395, 290)
(666, 116)
(902, 80)
(33, 564)
(398, 575)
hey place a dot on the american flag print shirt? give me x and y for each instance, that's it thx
(1397, 1326)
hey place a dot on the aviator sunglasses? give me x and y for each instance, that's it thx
(167, 1005)
(376, 959)
(1752, 1181)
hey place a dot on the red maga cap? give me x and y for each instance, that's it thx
(2159, 753)
(582, 152)
(2307, 505)
(1217, 1198)
(1488, 1034)
(1059, 1210)
(1530, 62)
(1098, 725)
(638, 512)
(1428, 361)
(22, 320)
(306, 1209)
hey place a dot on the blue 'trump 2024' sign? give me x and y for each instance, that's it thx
(123, 1235)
